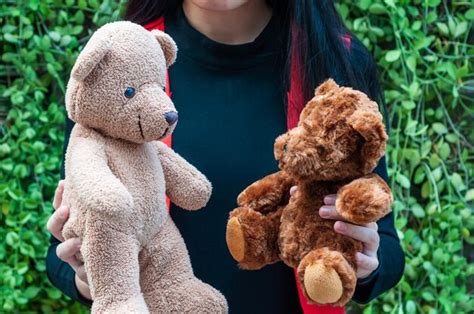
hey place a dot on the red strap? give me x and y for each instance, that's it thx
(160, 25)
(295, 105)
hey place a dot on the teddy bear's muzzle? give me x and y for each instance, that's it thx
(156, 126)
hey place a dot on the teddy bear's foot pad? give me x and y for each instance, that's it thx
(322, 283)
(235, 239)
(326, 277)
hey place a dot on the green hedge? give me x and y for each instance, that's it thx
(40, 41)
(425, 54)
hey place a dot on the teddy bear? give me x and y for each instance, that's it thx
(118, 174)
(337, 143)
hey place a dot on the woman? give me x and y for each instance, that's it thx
(237, 60)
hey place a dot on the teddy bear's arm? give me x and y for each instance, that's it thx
(364, 200)
(266, 193)
(185, 185)
(92, 181)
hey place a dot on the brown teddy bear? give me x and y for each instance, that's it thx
(336, 145)
(118, 174)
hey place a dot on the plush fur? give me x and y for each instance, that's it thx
(335, 147)
(118, 174)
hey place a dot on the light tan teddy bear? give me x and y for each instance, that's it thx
(118, 174)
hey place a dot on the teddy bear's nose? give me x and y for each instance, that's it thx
(171, 117)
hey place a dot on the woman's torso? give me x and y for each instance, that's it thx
(230, 101)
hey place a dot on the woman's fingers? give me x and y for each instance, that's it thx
(56, 222)
(67, 250)
(293, 189)
(367, 235)
(365, 265)
(81, 273)
(58, 195)
(330, 199)
(329, 212)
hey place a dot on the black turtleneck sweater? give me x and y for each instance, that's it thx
(230, 100)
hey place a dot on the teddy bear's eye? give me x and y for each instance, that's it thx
(129, 92)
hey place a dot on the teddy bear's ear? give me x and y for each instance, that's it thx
(326, 87)
(167, 44)
(91, 55)
(369, 124)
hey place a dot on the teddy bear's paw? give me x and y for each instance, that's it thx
(327, 277)
(364, 200)
(322, 284)
(235, 239)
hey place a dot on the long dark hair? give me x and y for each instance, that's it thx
(315, 31)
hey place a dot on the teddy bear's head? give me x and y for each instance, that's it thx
(340, 135)
(117, 85)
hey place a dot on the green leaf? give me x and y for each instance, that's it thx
(439, 128)
(470, 14)
(31, 292)
(443, 28)
(419, 175)
(364, 4)
(55, 36)
(11, 38)
(411, 63)
(460, 29)
(457, 181)
(392, 55)
(469, 195)
(410, 306)
(12, 239)
(452, 138)
(423, 42)
(418, 211)
(433, 3)
(408, 104)
(444, 151)
(377, 8)
(403, 180)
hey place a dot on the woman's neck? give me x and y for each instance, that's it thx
(234, 26)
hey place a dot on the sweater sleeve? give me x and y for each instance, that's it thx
(60, 273)
(390, 255)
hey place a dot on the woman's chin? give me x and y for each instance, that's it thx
(219, 5)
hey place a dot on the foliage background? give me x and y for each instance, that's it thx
(424, 49)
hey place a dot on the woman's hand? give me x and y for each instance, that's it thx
(367, 260)
(68, 249)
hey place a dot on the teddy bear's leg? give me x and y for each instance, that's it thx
(111, 263)
(364, 200)
(326, 277)
(252, 229)
(252, 237)
(167, 279)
